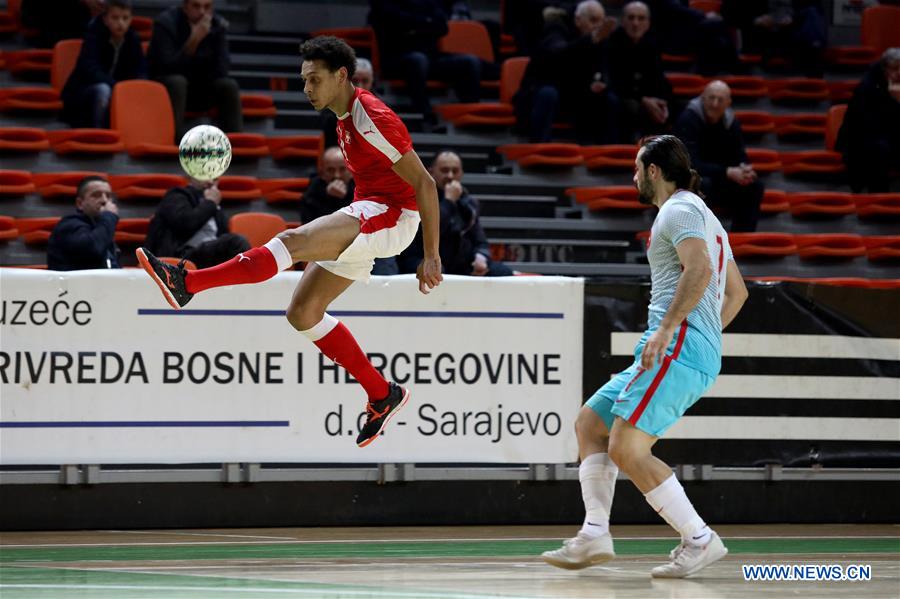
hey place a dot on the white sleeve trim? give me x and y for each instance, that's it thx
(368, 131)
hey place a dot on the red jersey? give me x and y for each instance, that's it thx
(372, 138)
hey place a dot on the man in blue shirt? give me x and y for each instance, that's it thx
(85, 240)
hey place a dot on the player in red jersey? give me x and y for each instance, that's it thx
(392, 189)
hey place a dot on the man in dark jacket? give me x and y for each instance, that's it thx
(189, 55)
(464, 247)
(870, 135)
(567, 78)
(713, 136)
(189, 223)
(331, 189)
(85, 240)
(636, 73)
(111, 52)
(407, 32)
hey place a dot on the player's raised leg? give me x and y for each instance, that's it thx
(307, 313)
(322, 239)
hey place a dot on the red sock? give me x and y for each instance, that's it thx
(340, 346)
(252, 266)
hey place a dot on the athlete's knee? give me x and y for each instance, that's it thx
(590, 428)
(304, 315)
(295, 240)
(626, 455)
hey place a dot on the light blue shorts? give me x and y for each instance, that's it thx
(651, 400)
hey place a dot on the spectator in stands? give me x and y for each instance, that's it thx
(567, 78)
(636, 74)
(870, 135)
(792, 29)
(189, 223)
(684, 30)
(189, 55)
(111, 52)
(329, 190)
(364, 77)
(464, 247)
(713, 136)
(85, 240)
(57, 20)
(407, 32)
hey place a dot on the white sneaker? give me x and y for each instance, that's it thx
(580, 552)
(690, 559)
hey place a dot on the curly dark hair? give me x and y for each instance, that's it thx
(332, 51)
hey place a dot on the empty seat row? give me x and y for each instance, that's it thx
(149, 186)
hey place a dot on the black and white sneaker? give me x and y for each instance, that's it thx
(380, 412)
(169, 278)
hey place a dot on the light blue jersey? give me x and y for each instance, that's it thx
(654, 399)
(683, 216)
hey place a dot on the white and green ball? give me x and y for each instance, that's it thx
(205, 153)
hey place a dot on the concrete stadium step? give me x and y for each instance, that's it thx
(501, 228)
(517, 205)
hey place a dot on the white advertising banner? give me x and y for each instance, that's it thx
(96, 368)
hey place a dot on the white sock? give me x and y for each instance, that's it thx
(280, 253)
(325, 326)
(670, 501)
(597, 475)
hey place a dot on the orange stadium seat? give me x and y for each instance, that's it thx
(747, 87)
(283, 190)
(467, 37)
(85, 141)
(610, 157)
(496, 114)
(29, 63)
(755, 122)
(142, 114)
(841, 90)
(296, 147)
(143, 27)
(762, 245)
(832, 246)
(879, 30)
(686, 85)
(798, 89)
(707, 6)
(257, 227)
(131, 231)
(258, 106)
(819, 162)
(774, 201)
(36, 231)
(239, 189)
(62, 184)
(16, 183)
(764, 161)
(248, 145)
(619, 197)
(61, 62)
(23, 139)
(8, 230)
(150, 186)
(680, 60)
(821, 203)
(883, 248)
(800, 124)
(878, 205)
(544, 155)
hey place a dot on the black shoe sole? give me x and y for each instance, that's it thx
(145, 264)
(387, 419)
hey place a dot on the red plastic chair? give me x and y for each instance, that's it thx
(296, 147)
(148, 186)
(8, 230)
(614, 197)
(764, 161)
(686, 85)
(747, 87)
(707, 6)
(143, 27)
(833, 123)
(142, 114)
(544, 155)
(798, 89)
(257, 227)
(23, 139)
(833, 246)
(62, 184)
(821, 204)
(819, 162)
(29, 63)
(876, 205)
(16, 183)
(239, 189)
(880, 30)
(258, 106)
(678, 60)
(494, 114)
(86, 141)
(467, 37)
(841, 91)
(131, 231)
(610, 157)
(774, 201)
(248, 145)
(762, 245)
(59, 65)
(36, 231)
(800, 124)
(883, 248)
(755, 122)
(286, 190)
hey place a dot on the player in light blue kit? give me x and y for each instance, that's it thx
(696, 290)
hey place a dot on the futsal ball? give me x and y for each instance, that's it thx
(205, 153)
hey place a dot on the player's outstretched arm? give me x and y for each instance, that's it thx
(691, 286)
(735, 294)
(411, 170)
